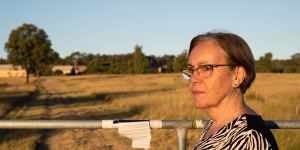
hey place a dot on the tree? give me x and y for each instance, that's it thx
(94, 66)
(76, 58)
(168, 60)
(264, 64)
(3, 61)
(181, 61)
(29, 47)
(140, 62)
(293, 64)
(295, 58)
(121, 64)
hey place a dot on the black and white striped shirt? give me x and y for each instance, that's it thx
(247, 132)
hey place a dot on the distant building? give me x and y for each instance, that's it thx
(8, 70)
(162, 69)
(64, 69)
(81, 69)
(67, 70)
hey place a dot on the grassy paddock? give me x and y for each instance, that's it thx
(151, 96)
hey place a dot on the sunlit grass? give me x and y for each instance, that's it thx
(152, 96)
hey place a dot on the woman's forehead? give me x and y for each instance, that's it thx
(207, 52)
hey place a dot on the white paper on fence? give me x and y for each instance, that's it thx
(139, 132)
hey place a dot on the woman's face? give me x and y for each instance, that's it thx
(209, 92)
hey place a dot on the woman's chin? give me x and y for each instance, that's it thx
(199, 104)
(200, 101)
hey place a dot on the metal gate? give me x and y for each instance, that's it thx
(180, 126)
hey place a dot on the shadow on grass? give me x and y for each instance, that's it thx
(3, 85)
(30, 100)
(43, 135)
(10, 100)
(95, 98)
(94, 115)
(14, 101)
(100, 76)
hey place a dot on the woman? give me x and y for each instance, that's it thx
(220, 70)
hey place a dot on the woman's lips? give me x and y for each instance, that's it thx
(197, 92)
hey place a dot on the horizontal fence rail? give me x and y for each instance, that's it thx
(99, 124)
(181, 126)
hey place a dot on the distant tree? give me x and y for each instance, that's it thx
(268, 57)
(3, 61)
(153, 64)
(122, 64)
(277, 66)
(140, 62)
(95, 65)
(168, 60)
(181, 61)
(77, 58)
(29, 47)
(295, 58)
(118, 67)
(293, 65)
(264, 64)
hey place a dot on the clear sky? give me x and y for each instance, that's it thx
(160, 26)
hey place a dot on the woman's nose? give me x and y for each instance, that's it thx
(194, 77)
(194, 80)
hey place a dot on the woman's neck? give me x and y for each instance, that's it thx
(229, 109)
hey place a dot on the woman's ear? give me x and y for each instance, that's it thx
(240, 75)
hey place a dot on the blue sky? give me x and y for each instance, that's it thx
(160, 26)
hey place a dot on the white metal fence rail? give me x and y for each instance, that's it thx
(181, 126)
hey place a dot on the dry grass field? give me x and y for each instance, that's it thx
(152, 96)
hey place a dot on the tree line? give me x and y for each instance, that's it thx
(132, 63)
(266, 63)
(30, 47)
(138, 62)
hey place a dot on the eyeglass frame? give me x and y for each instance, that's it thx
(187, 76)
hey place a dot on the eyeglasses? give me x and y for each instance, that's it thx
(203, 71)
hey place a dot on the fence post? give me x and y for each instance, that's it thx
(181, 138)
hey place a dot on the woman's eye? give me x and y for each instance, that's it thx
(205, 68)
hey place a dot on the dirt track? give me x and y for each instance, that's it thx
(80, 139)
(49, 102)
